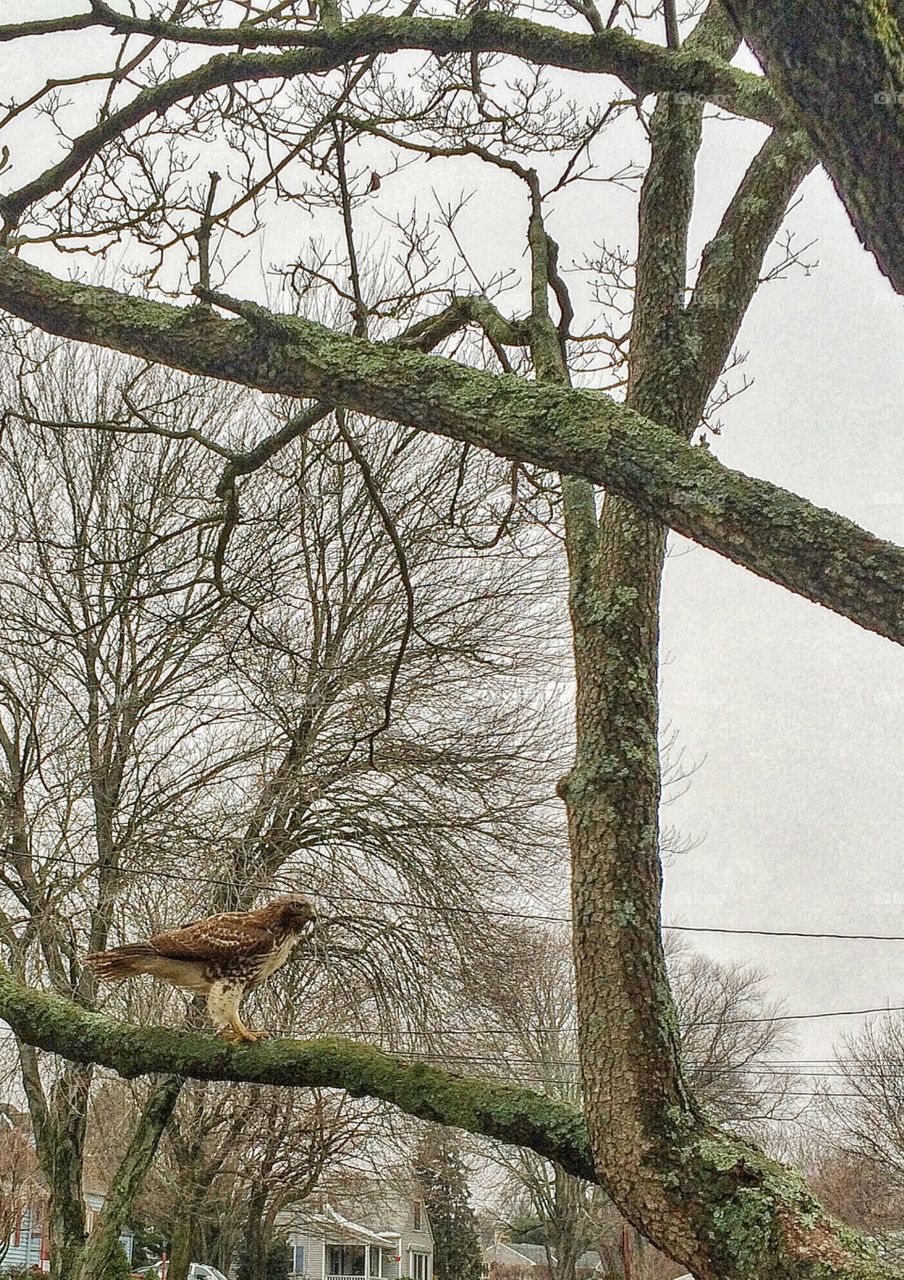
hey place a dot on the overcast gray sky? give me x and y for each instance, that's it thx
(797, 716)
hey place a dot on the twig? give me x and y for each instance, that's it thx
(203, 235)
(376, 498)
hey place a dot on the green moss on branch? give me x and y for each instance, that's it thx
(505, 1112)
(646, 68)
(754, 1218)
(774, 533)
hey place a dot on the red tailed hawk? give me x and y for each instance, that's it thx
(220, 957)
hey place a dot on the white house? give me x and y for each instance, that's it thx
(516, 1259)
(377, 1235)
(27, 1246)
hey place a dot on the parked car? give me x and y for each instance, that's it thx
(196, 1271)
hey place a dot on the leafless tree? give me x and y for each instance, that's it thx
(729, 1036)
(853, 1186)
(861, 1152)
(183, 729)
(732, 1034)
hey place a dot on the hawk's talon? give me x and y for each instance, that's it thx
(242, 1035)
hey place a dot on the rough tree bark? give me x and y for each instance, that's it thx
(692, 1190)
(770, 531)
(840, 70)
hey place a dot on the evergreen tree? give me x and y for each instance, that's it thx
(443, 1176)
(276, 1262)
(118, 1267)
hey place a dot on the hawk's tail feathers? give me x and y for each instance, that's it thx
(120, 963)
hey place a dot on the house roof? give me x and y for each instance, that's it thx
(333, 1223)
(533, 1254)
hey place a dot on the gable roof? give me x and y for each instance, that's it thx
(518, 1254)
(335, 1228)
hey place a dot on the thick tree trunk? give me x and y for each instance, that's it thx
(710, 1201)
(568, 1227)
(632, 1083)
(60, 1154)
(635, 1097)
(840, 69)
(184, 1241)
(256, 1235)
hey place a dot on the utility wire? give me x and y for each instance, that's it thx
(161, 873)
(451, 909)
(716, 1022)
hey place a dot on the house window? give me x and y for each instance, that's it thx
(418, 1215)
(299, 1260)
(345, 1260)
(420, 1268)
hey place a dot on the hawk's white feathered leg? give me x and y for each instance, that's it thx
(223, 1002)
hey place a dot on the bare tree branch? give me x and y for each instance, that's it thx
(814, 552)
(646, 68)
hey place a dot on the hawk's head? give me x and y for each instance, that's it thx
(295, 912)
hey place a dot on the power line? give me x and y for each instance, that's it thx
(373, 901)
(452, 909)
(161, 873)
(715, 1022)
(789, 933)
(801, 1017)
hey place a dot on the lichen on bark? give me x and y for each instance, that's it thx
(768, 530)
(840, 70)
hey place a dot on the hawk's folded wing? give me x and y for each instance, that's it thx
(217, 940)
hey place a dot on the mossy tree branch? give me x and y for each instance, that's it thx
(505, 1112)
(645, 68)
(759, 1198)
(774, 533)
